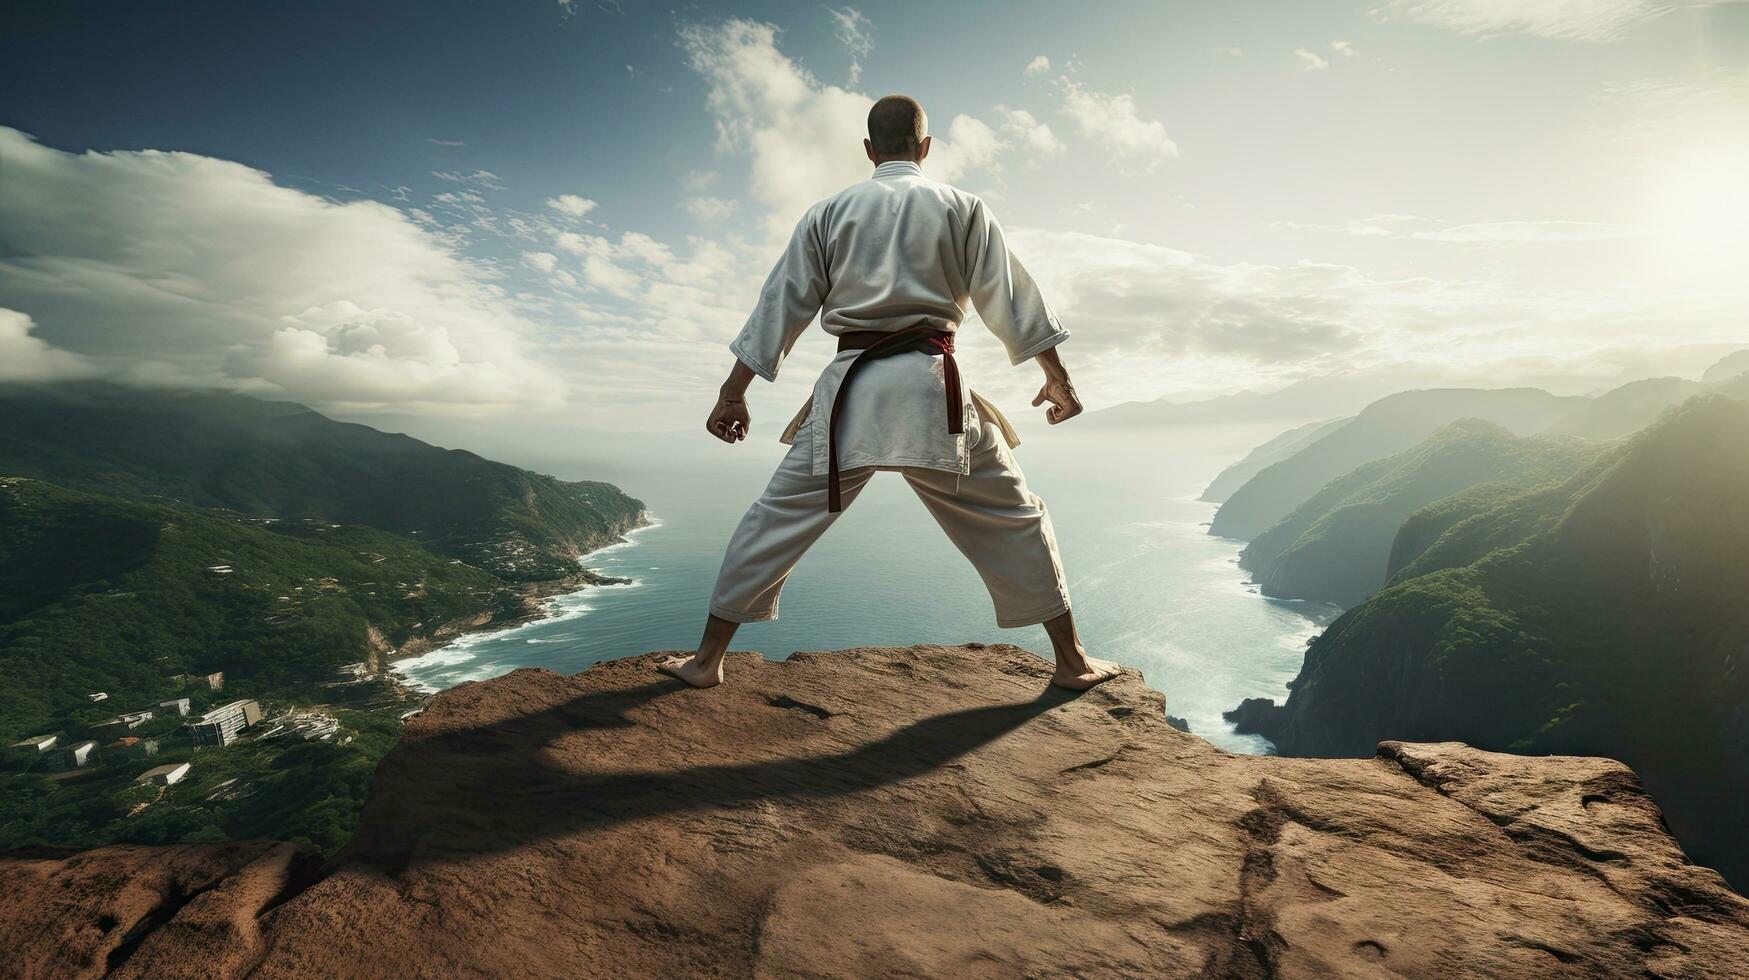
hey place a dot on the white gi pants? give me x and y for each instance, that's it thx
(995, 521)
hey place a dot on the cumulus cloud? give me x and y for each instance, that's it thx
(27, 358)
(571, 205)
(803, 137)
(1040, 65)
(1115, 124)
(1343, 48)
(188, 269)
(710, 208)
(971, 145)
(1311, 60)
(1034, 139)
(1571, 20)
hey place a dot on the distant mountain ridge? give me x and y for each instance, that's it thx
(1389, 425)
(1298, 466)
(259, 458)
(1337, 546)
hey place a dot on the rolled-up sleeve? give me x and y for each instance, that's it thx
(788, 302)
(1005, 295)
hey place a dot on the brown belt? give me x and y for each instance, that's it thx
(876, 344)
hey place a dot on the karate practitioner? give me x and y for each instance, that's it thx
(892, 266)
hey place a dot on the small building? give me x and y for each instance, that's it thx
(130, 720)
(98, 696)
(76, 756)
(220, 569)
(33, 750)
(34, 745)
(168, 775)
(222, 725)
(215, 681)
(178, 705)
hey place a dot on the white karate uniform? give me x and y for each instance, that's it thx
(896, 251)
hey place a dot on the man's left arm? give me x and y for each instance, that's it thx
(1011, 306)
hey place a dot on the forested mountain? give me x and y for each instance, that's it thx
(1266, 455)
(1389, 425)
(203, 533)
(276, 459)
(1604, 616)
(1336, 547)
(101, 594)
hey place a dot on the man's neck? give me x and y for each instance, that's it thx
(881, 160)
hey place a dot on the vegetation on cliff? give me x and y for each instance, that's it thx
(1336, 547)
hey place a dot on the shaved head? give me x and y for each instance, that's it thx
(896, 126)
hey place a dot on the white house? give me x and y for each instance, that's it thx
(168, 775)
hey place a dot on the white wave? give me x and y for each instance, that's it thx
(431, 671)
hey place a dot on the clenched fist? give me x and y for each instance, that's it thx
(729, 421)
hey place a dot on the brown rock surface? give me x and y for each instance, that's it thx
(920, 811)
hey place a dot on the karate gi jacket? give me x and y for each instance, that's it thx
(895, 251)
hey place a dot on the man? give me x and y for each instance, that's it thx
(893, 262)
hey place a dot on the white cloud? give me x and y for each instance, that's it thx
(1038, 66)
(1343, 48)
(27, 358)
(479, 178)
(856, 33)
(439, 142)
(1485, 232)
(1231, 51)
(1114, 124)
(970, 145)
(1034, 138)
(804, 137)
(571, 205)
(195, 270)
(1572, 20)
(541, 261)
(710, 208)
(1311, 60)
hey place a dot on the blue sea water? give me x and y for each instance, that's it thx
(1150, 587)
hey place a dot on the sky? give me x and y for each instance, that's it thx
(555, 216)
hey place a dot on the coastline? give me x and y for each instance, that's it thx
(538, 602)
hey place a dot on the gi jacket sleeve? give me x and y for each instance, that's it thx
(789, 301)
(1004, 293)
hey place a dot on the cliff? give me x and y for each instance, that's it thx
(1600, 616)
(925, 811)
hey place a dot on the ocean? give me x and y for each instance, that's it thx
(1150, 587)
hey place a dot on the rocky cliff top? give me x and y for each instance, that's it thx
(930, 810)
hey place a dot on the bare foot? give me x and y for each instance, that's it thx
(688, 670)
(1096, 672)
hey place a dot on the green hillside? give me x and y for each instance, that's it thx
(101, 594)
(1606, 616)
(1336, 547)
(213, 449)
(1387, 426)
